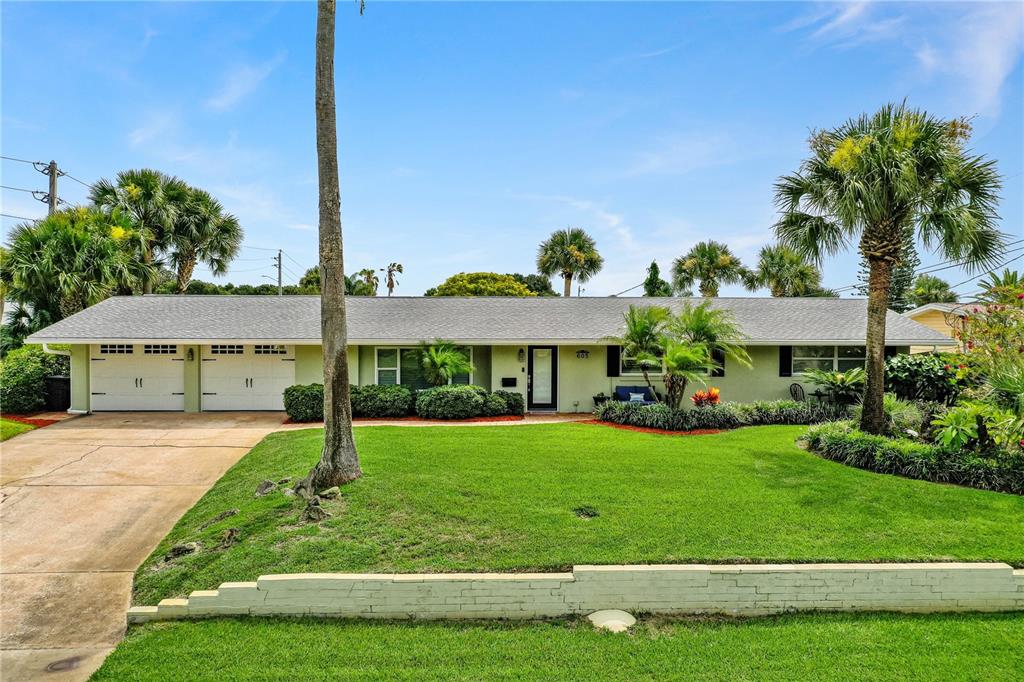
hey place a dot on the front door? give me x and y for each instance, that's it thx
(542, 378)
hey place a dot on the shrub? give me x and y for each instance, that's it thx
(305, 402)
(657, 416)
(844, 387)
(381, 401)
(980, 427)
(902, 418)
(494, 406)
(924, 376)
(515, 404)
(722, 416)
(772, 412)
(712, 396)
(23, 378)
(841, 442)
(450, 402)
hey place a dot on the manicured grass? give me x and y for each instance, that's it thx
(502, 498)
(10, 428)
(819, 647)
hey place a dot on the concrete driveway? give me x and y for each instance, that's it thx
(82, 504)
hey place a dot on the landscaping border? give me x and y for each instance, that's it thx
(737, 589)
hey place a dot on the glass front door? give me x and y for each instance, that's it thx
(542, 391)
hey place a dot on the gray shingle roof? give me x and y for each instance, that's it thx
(296, 319)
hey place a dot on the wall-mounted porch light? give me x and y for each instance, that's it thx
(191, 355)
(522, 355)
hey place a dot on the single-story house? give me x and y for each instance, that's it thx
(199, 353)
(937, 316)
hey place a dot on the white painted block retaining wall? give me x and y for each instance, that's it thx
(668, 589)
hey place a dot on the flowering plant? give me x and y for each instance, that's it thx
(705, 398)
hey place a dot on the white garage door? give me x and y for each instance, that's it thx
(239, 377)
(125, 376)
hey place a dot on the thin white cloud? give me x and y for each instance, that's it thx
(684, 153)
(156, 126)
(842, 19)
(241, 81)
(649, 54)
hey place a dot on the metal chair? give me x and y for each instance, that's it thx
(796, 391)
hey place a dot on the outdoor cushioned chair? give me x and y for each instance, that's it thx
(622, 394)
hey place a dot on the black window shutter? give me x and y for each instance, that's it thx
(718, 357)
(613, 360)
(785, 361)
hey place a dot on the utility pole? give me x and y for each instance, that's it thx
(52, 172)
(280, 289)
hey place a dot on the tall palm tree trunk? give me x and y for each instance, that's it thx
(567, 279)
(339, 462)
(872, 418)
(147, 259)
(185, 269)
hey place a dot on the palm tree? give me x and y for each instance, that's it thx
(784, 272)
(931, 289)
(685, 362)
(643, 338)
(202, 233)
(711, 264)
(714, 328)
(150, 199)
(391, 281)
(870, 180)
(1001, 288)
(370, 279)
(442, 362)
(569, 253)
(339, 461)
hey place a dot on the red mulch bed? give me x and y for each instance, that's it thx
(31, 421)
(370, 420)
(644, 429)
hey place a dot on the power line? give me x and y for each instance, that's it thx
(987, 272)
(293, 260)
(19, 217)
(258, 248)
(80, 182)
(19, 189)
(13, 158)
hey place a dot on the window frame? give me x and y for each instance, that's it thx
(623, 358)
(834, 358)
(398, 362)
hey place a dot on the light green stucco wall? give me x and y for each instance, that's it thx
(80, 378)
(193, 388)
(505, 363)
(580, 379)
(309, 365)
(482, 366)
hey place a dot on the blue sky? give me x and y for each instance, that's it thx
(468, 132)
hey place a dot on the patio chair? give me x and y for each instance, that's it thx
(796, 391)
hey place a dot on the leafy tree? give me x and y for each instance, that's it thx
(370, 280)
(201, 232)
(150, 200)
(903, 272)
(442, 362)
(392, 270)
(643, 338)
(871, 180)
(710, 264)
(654, 285)
(784, 272)
(931, 289)
(480, 284)
(66, 262)
(538, 284)
(569, 253)
(311, 280)
(339, 461)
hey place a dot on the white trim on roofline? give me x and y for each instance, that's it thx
(956, 309)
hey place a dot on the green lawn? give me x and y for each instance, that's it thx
(502, 498)
(10, 428)
(808, 647)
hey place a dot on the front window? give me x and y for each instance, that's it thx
(633, 366)
(402, 366)
(827, 358)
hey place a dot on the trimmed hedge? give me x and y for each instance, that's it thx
(381, 401)
(23, 378)
(841, 442)
(515, 403)
(722, 416)
(305, 402)
(451, 402)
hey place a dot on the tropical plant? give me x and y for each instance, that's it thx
(643, 339)
(202, 233)
(310, 280)
(571, 254)
(370, 279)
(480, 284)
(844, 387)
(711, 396)
(931, 289)
(391, 281)
(991, 331)
(784, 272)
(873, 179)
(66, 262)
(654, 285)
(442, 361)
(902, 417)
(709, 265)
(339, 461)
(924, 376)
(979, 426)
(1005, 288)
(685, 362)
(714, 328)
(150, 200)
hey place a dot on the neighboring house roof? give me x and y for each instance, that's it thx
(488, 320)
(953, 308)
